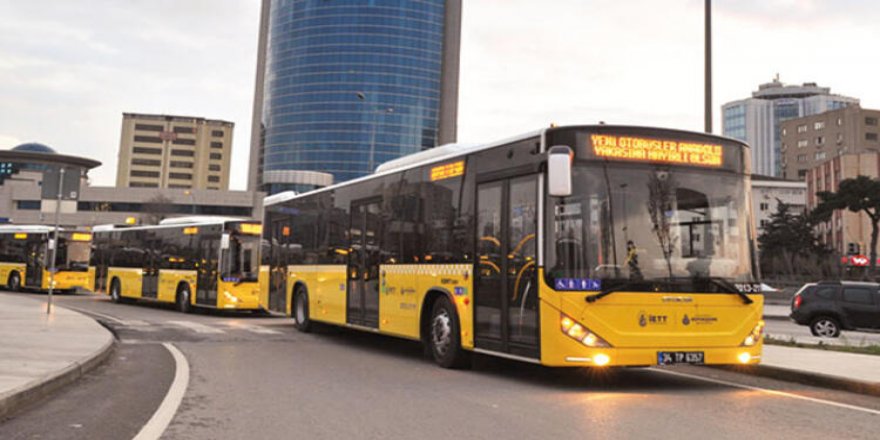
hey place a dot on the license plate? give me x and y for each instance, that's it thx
(679, 357)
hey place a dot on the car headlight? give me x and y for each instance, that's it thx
(755, 336)
(581, 333)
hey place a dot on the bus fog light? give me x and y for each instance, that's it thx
(601, 359)
(744, 357)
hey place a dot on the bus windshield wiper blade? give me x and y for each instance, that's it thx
(622, 286)
(730, 288)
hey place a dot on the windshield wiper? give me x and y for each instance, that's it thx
(730, 288)
(622, 286)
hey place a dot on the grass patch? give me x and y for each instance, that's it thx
(867, 349)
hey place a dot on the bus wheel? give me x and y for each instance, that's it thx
(445, 336)
(301, 310)
(14, 282)
(182, 300)
(115, 291)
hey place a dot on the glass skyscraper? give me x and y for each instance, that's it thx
(344, 85)
(757, 120)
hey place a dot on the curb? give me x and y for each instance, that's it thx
(808, 378)
(776, 318)
(32, 392)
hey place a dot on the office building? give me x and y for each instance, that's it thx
(178, 152)
(342, 87)
(757, 120)
(846, 228)
(811, 140)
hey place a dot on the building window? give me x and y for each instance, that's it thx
(147, 162)
(28, 205)
(182, 176)
(181, 164)
(764, 223)
(185, 153)
(870, 136)
(870, 121)
(214, 167)
(802, 174)
(183, 129)
(802, 128)
(143, 185)
(802, 158)
(184, 142)
(148, 139)
(820, 155)
(764, 206)
(180, 186)
(147, 127)
(818, 125)
(139, 173)
(820, 140)
(146, 150)
(213, 187)
(216, 144)
(216, 156)
(217, 133)
(802, 143)
(213, 178)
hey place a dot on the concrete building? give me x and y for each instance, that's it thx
(22, 202)
(811, 140)
(768, 192)
(163, 151)
(757, 120)
(344, 87)
(845, 227)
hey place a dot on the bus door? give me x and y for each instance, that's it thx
(363, 263)
(35, 259)
(150, 278)
(209, 254)
(278, 266)
(505, 286)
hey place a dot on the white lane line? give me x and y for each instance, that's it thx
(157, 424)
(100, 315)
(771, 392)
(196, 327)
(252, 328)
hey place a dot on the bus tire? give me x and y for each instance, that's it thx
(14, 282)
(444, 337)
(115, 291)
(182, 300)
(300, 310)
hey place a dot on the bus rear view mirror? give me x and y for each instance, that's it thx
(224, 242)
(559, 170)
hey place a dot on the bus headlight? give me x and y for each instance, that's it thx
(230, 297)
(580, 333)
(755, 335)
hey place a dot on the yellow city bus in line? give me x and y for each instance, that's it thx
(25, 252)
(190, 262)
(570, 246)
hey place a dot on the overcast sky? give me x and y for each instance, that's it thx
(69, 69)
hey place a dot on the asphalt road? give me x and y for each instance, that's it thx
(256, 377)
(783, 329)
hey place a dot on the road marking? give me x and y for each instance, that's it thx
(196, 327)
(252, 328)
(771, 392)
(100, 315)
(157, 424)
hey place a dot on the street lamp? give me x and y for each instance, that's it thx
(376, 111)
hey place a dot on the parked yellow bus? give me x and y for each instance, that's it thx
(191, 262)
(570, 246)
(25, 256)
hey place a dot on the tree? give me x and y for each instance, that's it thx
(861, 194)
(791, 237)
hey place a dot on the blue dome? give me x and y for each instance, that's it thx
(34, 147)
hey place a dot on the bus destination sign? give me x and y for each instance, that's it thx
(447, 171)
(656, 150)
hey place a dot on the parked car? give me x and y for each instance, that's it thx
(831, 306)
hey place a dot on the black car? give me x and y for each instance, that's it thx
(828, 307)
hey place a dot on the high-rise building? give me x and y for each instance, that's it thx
(811, 140)
(343, 86)
(162, 151)
(757, 120)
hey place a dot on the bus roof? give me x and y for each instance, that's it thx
(33, 229)
(173, 222)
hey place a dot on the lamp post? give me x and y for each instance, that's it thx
(376, 111)
(192, 199)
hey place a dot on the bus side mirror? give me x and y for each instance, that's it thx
(224, 242)
(559, 170)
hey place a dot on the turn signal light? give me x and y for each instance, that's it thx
(580, 333)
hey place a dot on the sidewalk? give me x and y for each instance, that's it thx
(834, 369)
(40, 353)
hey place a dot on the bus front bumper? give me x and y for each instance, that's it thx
(645, 357)
(244, 296)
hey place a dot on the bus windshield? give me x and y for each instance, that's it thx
(72, 255)
(642, 224)
(240, 262)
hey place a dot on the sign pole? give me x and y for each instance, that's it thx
(54, 250)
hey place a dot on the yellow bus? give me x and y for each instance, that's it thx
(25, 253)
(569, 246)
(191, 262)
